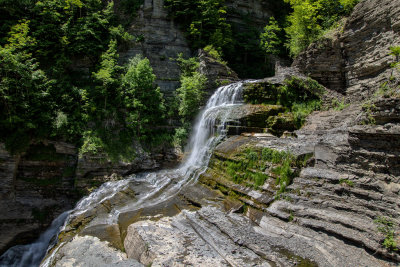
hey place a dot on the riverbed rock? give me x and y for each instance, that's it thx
(90, 251)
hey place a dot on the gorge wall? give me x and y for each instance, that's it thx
(161, 39)
(355, 60)
(49, 178)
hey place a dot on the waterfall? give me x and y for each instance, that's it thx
(32, 254)
(208, 131)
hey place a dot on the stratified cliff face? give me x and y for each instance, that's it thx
(258, 12)
(49, 178)
(161, 40)
(35, 188)
(356, 60)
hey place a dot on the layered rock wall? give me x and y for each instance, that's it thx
(36, 187)
(161, 41)
(356, 60)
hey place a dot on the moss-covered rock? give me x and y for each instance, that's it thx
(280, 123)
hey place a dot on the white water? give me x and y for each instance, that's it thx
(158, 186)
(32, 254)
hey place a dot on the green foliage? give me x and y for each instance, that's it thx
(214, 53)
(270, 40)
(387, 227)
(250, 165)
(180, 136)
(284, 174)
(346, 181)
(204, 21)
(26, 107)
(310, 18)
(92, 144)
(302, 110)
(298, 96)
(369, 109)
(395, 51)
(143, 100)
(108, 75)
(295, 90)
(41, 96)
(285, 162)
(190, 94)
(339, 104)
(187, 66)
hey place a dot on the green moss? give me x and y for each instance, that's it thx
(261, 93)
(281, 123)
(298, 97)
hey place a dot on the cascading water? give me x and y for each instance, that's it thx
(32, 254)
(157, 187)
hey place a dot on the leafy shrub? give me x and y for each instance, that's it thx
(270, 40)
(387, 227)
(190, 93)
(310, 18)
(180, 136)
(203, 21)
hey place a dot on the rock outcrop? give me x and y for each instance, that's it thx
(49, 178)
(36, 188)
(356, 61)
(341, 193)
(216, 71)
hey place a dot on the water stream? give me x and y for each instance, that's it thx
(156, 187)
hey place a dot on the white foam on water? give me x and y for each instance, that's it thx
(208, 131)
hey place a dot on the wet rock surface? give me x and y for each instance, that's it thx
(351, 181)
(325, 217)
(49, 179)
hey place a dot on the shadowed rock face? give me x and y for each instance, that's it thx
(48, 179)
(356, 60)
(35, 188)
(162, 40)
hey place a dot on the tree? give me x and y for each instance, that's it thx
(310, 18)
(190, 95)
(143, 100)
(108, 76)
(26, 110)
(204, 21)
(269, 39)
